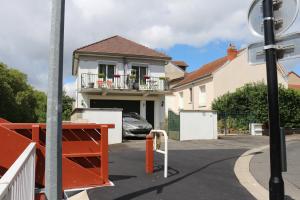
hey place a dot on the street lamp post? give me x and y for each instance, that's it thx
(53, 168)
(276, 184)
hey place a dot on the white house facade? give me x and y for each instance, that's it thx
(119, 73)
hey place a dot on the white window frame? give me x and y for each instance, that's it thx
(191, 94)
(202, 96)
(106, 69)
(141, 66)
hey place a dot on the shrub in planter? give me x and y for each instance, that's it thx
(101, 75)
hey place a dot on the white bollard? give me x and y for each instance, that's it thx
(165, 152)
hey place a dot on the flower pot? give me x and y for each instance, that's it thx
(100, 83)
(135, 86)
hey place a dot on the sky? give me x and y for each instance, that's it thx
(196, 31)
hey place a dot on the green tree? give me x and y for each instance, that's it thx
(67, 103)
(249, 104)
(20, 102)
(16, 101)
(41, 108)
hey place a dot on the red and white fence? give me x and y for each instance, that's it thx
(18, 183)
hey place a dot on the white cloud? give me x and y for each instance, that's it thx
(25, 26)
(70, 89)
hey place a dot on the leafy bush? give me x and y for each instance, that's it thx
(248, 104)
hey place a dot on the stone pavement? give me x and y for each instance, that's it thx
(260, 168)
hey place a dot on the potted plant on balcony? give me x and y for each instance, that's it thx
(117, 75)
(132, 80)
(101, 76)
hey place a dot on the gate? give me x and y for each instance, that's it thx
(174, 125)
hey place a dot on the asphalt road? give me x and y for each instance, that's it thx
(197, 170)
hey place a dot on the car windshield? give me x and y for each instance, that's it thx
(132, 117)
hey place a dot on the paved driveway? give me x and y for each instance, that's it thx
(198, 170)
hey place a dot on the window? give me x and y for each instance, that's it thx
(191, 95)
(180, 100)
(202, 96)
(140, 73)
(108, 71)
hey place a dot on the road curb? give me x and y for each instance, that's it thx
(243, 174)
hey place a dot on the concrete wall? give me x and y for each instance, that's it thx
(198, 125)
(102, 116)
(173, 71)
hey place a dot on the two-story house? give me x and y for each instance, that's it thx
(119, 73)
(198, 89)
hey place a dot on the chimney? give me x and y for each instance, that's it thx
(232, 52)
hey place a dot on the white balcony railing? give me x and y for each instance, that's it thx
(18, 182)
(122, 82)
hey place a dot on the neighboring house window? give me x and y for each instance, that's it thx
(202, 96)
(180, 100)
(140, 73)
(191, 95)
(108, 71)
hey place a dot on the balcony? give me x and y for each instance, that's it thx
(91, 82)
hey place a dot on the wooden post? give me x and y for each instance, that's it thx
(149, 154)
(35, 133)
(104, 152)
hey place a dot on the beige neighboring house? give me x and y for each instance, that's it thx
(294, 81)
(198, 89)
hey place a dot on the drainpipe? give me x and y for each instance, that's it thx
(193, 107)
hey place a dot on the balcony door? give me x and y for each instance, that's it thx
(108, 71)
(140, 73)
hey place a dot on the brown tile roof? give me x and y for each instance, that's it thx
(292, 86)
(205, 70)
(118, 45)
(292, 72)
(179, 63)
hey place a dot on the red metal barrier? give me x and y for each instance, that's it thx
(149, 154)
(4, 120)
(84, 151)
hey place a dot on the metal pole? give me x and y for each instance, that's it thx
(283, 150)
(53, 171)
(276, 184)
